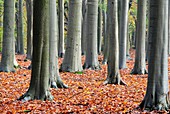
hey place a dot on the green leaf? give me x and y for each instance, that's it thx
(26, 111)
(78, 72)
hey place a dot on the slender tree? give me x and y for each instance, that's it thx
(113, 76)
(157, 93)
(99, 35)
(61, 49)
(7, 61)
(84, 27)
(169, 28)
(91, 61)
(72, 58)
(55, 79)
(140, 67)
(29, 7)
(123, 33)
(20, 30)
(106, 46)
(39, 85)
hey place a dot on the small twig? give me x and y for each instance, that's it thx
(76, 94)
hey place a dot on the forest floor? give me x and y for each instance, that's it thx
(86, 93)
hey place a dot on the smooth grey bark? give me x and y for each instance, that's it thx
(99, 35)
(7, 61)
(105, 25)
(61, 49)
(84, 27)
(91, 61)
(29, 8)
(16, 65)
(55, 79)
(72, 59)
(113, 76)
(169, 28)
(140, 65)
(123, 33)
(157, 93)
(128, 46)
(39, 85)
(148, 33)
(20, 30)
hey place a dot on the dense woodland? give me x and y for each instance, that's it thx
(84, 56)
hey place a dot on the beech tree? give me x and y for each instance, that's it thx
(91, 61)
(7, 61)
(123, 32)
(29, 7)
(113, 76)
(39, 85)
(72, 58)
(157, 93)
(61, 49)
(84, 27)
(99, 35)
(105, 48)
(140, 67)
(20, 28)
(169, 28)
(55, 79)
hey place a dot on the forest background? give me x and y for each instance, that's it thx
(86, 92)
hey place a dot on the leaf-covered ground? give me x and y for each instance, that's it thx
(86, 93)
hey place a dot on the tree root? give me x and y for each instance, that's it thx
(128, 57)
(61, 55)
(139, 71)
(111, 81)
(148, 103)
(28, 96)
(7, 70)
(58, 85)
(91, 67)
(104, 62)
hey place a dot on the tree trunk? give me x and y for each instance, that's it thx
(140, 67)
(55, 79)
(106, 46)
(158, 86)
(91, 61)
(169, 28)
(84, 27)
(113, 76)
(61, 50)
(123, 33)
(29, 7)
(72, 58)
(39, 85)
(7, 61)
(99, 35)
(20, 37)
(149, 34)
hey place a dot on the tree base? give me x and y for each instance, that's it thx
(139, 71)
(104, 62)
(111, 81)
(128, 57)
(122, 66)
(83, 53)
(92, 67)
(61, 55)
(58, 84)
(30, 67)
(7, 70)
(28, 96)
(147, 103)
